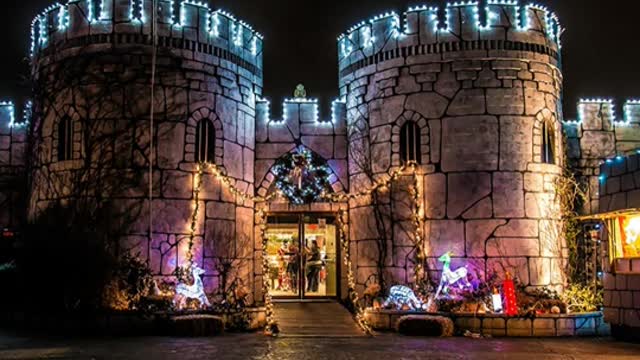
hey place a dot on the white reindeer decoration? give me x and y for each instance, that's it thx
(451, 277)
(195, 291)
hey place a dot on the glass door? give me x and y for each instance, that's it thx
(303, 256)
(283, 251)
(320, 256)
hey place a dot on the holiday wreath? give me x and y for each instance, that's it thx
(301, 176)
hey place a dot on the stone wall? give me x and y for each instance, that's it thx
(620, 192)
(597, 136)
(497, 325)
(96, 70)
(12, 163)
(480, 102)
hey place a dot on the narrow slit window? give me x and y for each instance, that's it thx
(205, 141)
(410, 143)
(65, 139)
(548, 144)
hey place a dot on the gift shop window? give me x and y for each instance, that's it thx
(626, 237)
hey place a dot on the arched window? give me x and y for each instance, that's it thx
(205, 141)
(65, 139)
(548, 143)
(410, 143)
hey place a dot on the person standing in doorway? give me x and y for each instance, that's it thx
(314, 264)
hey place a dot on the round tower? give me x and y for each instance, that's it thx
(472, 95)
(93, 63)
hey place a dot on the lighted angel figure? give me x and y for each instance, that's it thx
(195, 291)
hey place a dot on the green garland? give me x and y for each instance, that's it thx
(302, 177)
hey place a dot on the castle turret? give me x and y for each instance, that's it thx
(472, 97)
(93, 62)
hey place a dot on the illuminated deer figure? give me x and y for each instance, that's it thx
(195, 291)
(451, 277)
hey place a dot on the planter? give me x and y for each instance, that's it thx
(585, 324)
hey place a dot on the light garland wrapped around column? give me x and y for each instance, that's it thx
(271, 327)
(352, 294)
(418, 219)
(197, 185)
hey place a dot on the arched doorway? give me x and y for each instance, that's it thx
(303, 246)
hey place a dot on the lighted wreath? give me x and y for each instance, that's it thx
(301, 176)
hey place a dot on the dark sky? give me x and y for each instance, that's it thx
(600, 52)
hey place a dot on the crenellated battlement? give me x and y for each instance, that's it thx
(504, 25)
(601, 114)
(195, 27)
(9, 119)
(301, 111)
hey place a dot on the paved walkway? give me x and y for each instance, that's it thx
(323, 319)
(258, 347)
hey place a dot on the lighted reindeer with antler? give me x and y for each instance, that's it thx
(451, 277)
(195, 291)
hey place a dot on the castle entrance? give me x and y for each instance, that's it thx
(303, 255)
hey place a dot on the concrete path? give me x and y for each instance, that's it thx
(315, 319)
(259, 347)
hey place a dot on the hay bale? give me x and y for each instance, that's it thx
(196, 325)
(425, 325)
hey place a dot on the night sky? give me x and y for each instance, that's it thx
(600, 53)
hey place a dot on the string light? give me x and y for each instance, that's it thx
(352, 293)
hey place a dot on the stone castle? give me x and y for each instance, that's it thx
(471, 95)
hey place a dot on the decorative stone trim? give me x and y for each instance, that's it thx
(78, 150)
(587, 324)
(424, 137)
(440, 48)
(190, 137)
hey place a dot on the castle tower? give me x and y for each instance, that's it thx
(472, 94)
(92, 68)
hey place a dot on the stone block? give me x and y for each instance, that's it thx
(477, 233)
(513, 247)
(508, 195)
(518, 228)
(540, 271)
(220, 239)
(387, 111)
(621, 282)
(465, 190)
(435, 196)
(597, 144)
(516, 142)
(565, 327)
(380, 157)
(483, 209)
(177, 184)
(544, 327)
(508, 101)
(469, 144)
(468, 102)
(447, 84)
(430, 105)
(519, 327)
(323, 145)
(445, 235)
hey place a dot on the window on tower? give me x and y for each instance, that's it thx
(205, 141)
(410, 143)
(65, 139)
(548, 143)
